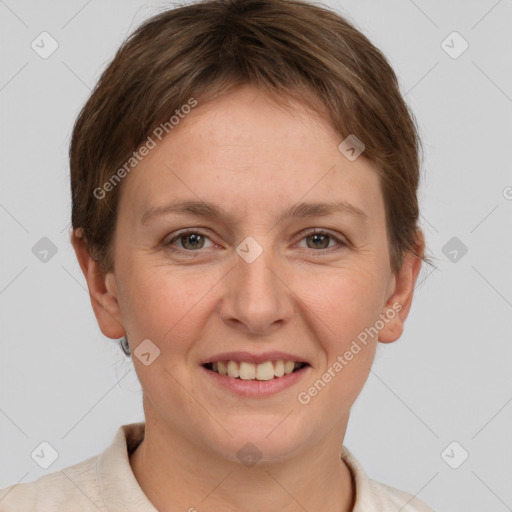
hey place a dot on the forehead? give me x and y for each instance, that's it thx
(244, 150)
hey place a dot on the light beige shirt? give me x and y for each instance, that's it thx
(106, 483)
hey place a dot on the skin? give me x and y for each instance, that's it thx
(254, 158)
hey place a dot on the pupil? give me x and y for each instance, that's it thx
(195, 239)
(325, 238)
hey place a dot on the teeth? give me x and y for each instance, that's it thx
(288, 367)
(279, 369)
(265, 371)
(250, 371)
(247, 370)
(221, 368)
(233, 370)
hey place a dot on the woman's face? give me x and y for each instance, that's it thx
(253, 279)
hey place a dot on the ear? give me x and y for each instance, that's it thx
(399, 301)
(102, 289)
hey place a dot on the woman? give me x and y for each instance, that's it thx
(244, 181)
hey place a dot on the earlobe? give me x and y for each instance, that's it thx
(392, 330)
(399, 303)
(102, 290)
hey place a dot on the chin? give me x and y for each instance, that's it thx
(268, 440)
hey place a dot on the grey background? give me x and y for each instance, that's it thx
(447, 379)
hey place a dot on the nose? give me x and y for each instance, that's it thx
(257, 296)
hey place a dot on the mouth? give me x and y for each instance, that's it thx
(243, 370)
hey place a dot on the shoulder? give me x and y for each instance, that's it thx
(72, 488)
(100, 483)
(372, 495)
(397, 499)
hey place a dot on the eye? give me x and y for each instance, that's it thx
(189, 240)
(320, 240)
(193, 240)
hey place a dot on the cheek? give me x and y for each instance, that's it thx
(348, 305)
(346, 301)
(164, 304)
(349, 376)
(351, 341)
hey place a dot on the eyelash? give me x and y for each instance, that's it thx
(314, 231)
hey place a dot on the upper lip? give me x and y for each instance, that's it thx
(250, 357)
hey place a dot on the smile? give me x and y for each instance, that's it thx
(244, 370)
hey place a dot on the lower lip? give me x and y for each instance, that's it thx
(256, 388)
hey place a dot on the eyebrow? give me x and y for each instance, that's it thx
(212, 211)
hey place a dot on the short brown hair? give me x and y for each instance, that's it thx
(284, 48)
